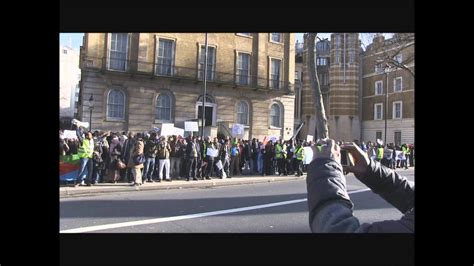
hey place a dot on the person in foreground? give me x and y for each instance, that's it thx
(330, 208)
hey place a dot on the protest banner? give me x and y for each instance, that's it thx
(191, 126)
(167, 129)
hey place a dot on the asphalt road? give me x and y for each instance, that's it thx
(170, 211)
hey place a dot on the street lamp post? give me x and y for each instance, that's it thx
(386, 104)
(91, 107)
(205, 88)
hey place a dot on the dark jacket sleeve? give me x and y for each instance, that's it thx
(390, 185)
(330, 208)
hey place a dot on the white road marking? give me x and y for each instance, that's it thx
(188, 216)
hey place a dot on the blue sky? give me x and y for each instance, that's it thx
(75, 39)
(71, 39)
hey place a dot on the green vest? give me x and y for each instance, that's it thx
(299, 154)
(86, 149)
(379, 153)
(405, 150)
(280, 151)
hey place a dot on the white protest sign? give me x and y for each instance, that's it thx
(237, 130)
(70, 134)
(308, 155)
(387, 154)
(309, 138)
(274, 138)
(167, 129)
(212, 152)
(219, 164)
(178, 131)
(191, 126)
(400, 155)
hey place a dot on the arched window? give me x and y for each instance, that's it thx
(116, 105)
(275, 115)
(163, 107)
(209, 99)
(242, 113)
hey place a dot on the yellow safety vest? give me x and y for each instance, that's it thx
(86, 149)
(380, 153)
(300, 153)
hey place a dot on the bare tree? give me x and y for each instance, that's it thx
(321, 120)
(400, 42)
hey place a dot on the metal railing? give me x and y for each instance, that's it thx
(183, 73)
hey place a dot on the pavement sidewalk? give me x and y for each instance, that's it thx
(101, 188)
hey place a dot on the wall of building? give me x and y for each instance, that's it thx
(142, 88)
(405, 126)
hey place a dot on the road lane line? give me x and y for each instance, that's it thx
(184, 217)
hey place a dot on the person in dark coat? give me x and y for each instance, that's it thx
(330, 207)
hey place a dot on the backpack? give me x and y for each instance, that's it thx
(234, 151)
(139, 159)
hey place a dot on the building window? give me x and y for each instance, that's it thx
(338, 41)
(378, 111)
(275, 73)
(165, 57)
(379, 67)
(276, 37)
(275, 115)
(64, 51)
(397, 84)
(398, 138)
(322, 46)
(378, 87)
(116, 105)
(378, 135)
(397, 110)
(211, 62)
(352, 57)
(163, 107)
(337, 57)
(243, 69)
(398, 58)
(242, 113)
(118, 51)
(321, 61)
(244, 34)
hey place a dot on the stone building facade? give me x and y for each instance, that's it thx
(140, 80)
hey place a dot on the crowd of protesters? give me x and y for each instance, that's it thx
(111, 157)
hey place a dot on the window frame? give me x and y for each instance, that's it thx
(200, 76)
(280, 122)
(115, 119)
(395, 84)
(237, 113)
(237, 70)
(381, 111)
(157, 54)
(109, 50)
(270, 75)
(277, 42)
(171, 107)
(382, 89)
(394, 111)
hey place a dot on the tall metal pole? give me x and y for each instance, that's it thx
(205, 88)
(386, 106)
